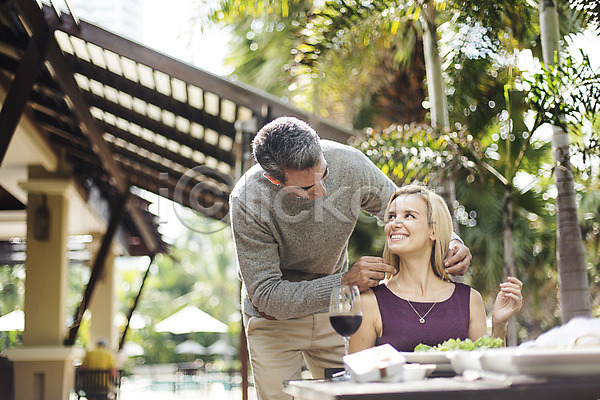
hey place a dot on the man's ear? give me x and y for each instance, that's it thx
(273, 180)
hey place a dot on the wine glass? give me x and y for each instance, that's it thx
(345, 311)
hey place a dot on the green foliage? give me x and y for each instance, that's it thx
(364, 54)
(589, 217)
(12, 287)
(263, 36)
(12, 290)
(12, 296)
(587, 11)
(565, 94)
(518, 18)
(200, 272)
(568, 95)
(409, 153)
(11, 340)
(484, 342)
(367, 239)
(363, 61)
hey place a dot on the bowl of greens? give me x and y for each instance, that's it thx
(455, 354)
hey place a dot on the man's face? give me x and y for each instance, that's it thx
(309, 183)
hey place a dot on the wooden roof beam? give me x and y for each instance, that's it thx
(34, 17)
(151, 96)
(173, 190)
(159, 128)
(20, 89)
(160, 168)
(161, 151)
(236, 92)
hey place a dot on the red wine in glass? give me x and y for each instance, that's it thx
(345, 324)
(345, 312)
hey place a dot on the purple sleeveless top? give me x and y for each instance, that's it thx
(401, 328)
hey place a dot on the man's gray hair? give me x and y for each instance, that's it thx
(286, 143)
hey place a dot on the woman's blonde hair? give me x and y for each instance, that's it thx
(438, 218)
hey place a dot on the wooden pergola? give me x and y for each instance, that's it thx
(121, 117)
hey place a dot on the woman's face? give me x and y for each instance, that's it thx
(407, 229)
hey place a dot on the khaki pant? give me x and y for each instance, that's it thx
(277, 348)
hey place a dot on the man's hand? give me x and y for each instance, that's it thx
(367, 272)
(458, 258)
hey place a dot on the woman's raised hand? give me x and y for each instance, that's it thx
(508, 301)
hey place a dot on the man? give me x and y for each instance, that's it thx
(102, 361)
(99, 358)
(291, 216)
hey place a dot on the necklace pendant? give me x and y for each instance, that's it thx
(422, 320)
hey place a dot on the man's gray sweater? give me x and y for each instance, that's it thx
(291, 252)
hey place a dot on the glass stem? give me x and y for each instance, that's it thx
(346, 347)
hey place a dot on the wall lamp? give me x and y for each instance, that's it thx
(41, 221)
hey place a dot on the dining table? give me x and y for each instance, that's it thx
(459, 387)
(529, 371)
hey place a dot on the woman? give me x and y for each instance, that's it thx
(420, 304)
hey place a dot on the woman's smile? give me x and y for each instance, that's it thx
(398, 236)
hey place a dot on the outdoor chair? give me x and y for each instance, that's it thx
(97, 385)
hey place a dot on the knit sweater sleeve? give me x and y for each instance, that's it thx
(259, 264)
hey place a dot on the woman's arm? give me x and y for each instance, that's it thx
(370, 329)
(477, 320)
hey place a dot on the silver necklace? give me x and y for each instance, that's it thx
(421, 317)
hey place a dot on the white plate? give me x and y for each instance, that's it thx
(409, 372)
(415, 372)
(558, 361)
(428, 357)
(441, 359)
(463, 360)
(499, 360)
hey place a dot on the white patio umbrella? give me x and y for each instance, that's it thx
(137, 321)
(221, 347)
(190, 319)
(13, 321)
(190, 347)
(133, 349)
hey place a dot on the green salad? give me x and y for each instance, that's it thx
(484, 342)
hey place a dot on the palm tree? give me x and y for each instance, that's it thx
(342, 39)
(574, 286)
(435, 81)
(262, 37)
